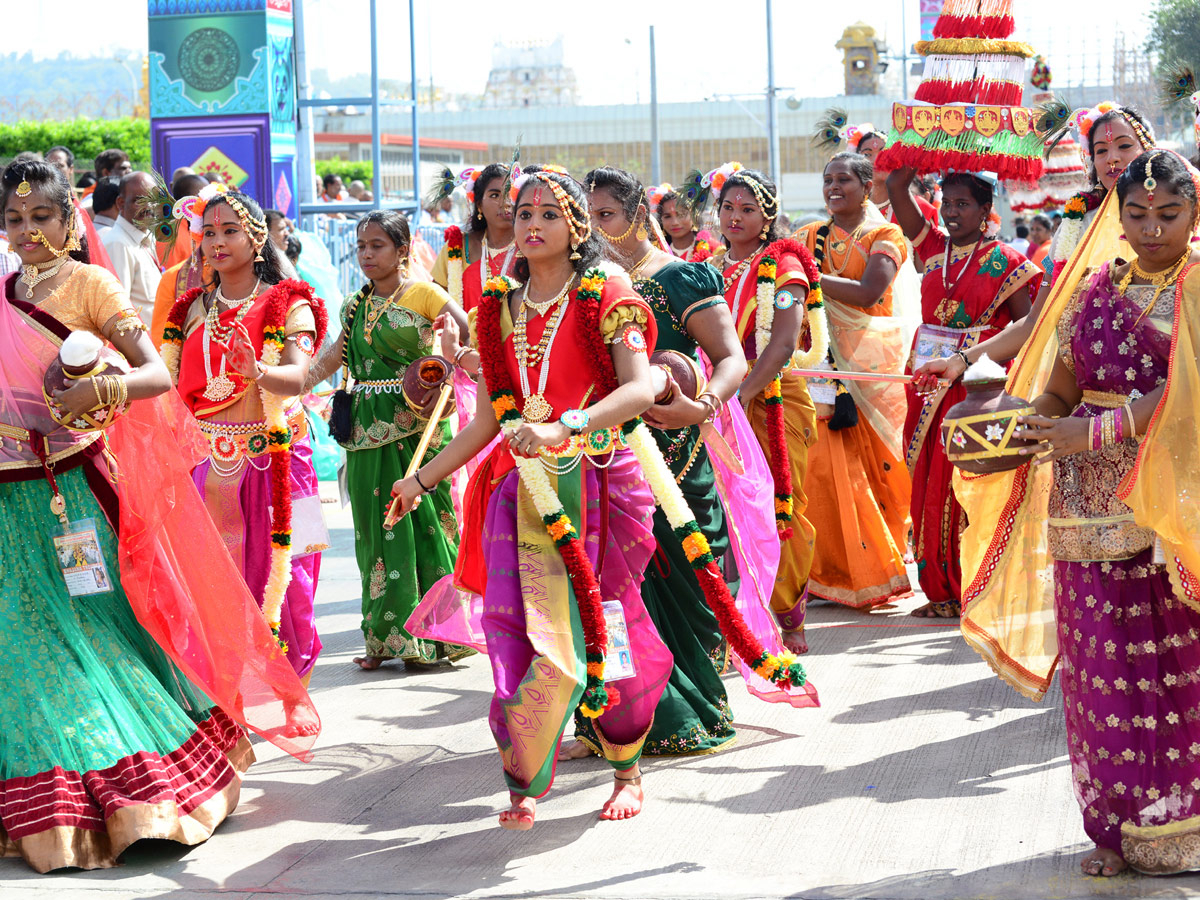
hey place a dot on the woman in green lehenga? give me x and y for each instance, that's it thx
(385, 326)
(693, 717)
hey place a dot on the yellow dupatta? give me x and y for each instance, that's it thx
(1007, 576)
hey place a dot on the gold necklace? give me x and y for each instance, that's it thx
(636, 271)
(1161, 280)
(737, 272)
(540, 307)
(536, 407)
(220, 387)
(31, 275)
(842, 246)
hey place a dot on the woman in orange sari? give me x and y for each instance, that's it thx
(857, 485)
(748, 206)
(484, 246)
(973, 285)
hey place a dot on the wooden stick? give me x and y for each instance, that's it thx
(852, 376)
(435, 419)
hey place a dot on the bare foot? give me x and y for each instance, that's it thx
(573, 750)
(795, 642)
(947, 610)
(369, 662)
(627, 797)
(303, 720)
(1103, 862)
(520, 816)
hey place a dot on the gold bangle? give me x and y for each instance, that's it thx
(1132, 420)
(96, 387)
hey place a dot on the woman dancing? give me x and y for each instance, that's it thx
(387, 325)
(972, 287)
(857, 485)
(693, 715)
(239, 349)
(564, 360)
(1118, 421)
(122, 700)
(756, 264)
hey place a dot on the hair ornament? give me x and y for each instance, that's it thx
(24, 189)
(655, 194)
(1150, 183)
(715, 180)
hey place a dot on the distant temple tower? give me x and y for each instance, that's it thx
(529, 74)
(863, 60)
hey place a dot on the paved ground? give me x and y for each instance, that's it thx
(921, 777)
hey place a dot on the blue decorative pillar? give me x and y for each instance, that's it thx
(223, 93)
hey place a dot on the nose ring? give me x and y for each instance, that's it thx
(1158, 231)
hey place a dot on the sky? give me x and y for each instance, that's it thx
(703, 49)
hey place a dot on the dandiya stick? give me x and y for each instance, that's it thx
(852, 376)
(435, 419)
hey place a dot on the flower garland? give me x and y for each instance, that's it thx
(783, 670)
(764, 318)
(454, 263)
(596, 696)
(1071, 229)
(279, 301)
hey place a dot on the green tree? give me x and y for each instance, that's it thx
(1175, 32)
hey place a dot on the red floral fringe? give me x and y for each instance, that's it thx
(781, 470)
(1006, 168)
(983, 91)
(996, 27)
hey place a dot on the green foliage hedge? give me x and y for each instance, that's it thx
(350, 171)
(85, 137)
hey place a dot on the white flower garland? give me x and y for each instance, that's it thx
(280, 576)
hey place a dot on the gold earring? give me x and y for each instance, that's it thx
(983, 226)
(641, 231)
(866, 201)
(575, 252)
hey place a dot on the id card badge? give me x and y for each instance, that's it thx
(935, 342)
(618, 656)
(80, 559)
(822, 390)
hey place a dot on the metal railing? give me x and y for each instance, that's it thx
(340, 238)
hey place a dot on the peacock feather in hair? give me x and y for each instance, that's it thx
(693, 193)
(443, 186)
(514, 168)
(1178, 83)
(1052, 121)
(828, 133)
(159, 213)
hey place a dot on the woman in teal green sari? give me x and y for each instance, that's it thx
(693, 716)
(385, 326)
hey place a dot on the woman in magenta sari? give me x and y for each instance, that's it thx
(1118, 422)
(564, 360)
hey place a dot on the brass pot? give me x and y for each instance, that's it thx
(422, 384)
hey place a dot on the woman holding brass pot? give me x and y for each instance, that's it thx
(385, 327)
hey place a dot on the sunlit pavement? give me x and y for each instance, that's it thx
(921, 776)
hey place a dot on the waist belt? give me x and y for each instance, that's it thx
(233, 441)
(1105, 399)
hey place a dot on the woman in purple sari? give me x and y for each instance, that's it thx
(1117, 420)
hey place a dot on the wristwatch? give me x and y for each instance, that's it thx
(575, 419)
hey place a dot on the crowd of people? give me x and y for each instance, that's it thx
(667, 440)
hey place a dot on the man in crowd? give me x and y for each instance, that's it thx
(131, 245)
(64, 160)
(359, 192)
(181, 273)
(104, 203)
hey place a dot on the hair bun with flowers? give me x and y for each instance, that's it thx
(715, 180)
(191, 209)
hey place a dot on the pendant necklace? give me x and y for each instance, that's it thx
(221, 387)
